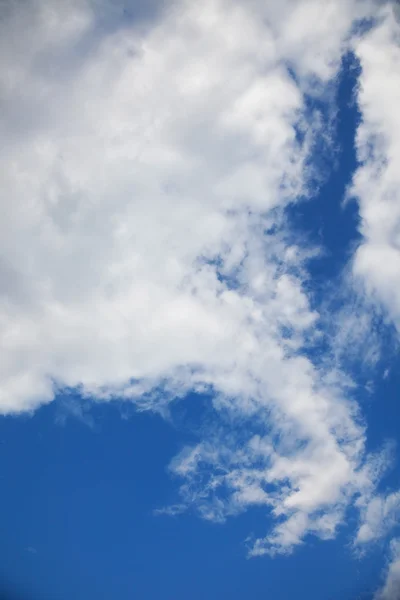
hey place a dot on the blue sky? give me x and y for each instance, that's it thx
(200, 307)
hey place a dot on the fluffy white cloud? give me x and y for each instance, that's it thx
(391, 587)
(376, 265)
(124, 177)
(144, 173)
(377, 182)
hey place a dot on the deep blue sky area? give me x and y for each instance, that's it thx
(76, 522)
(78, 494)
(325, 220)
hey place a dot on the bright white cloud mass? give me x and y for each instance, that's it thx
(145, 251)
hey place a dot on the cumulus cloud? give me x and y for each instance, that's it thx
(144, 247)
(136, 170)
(376, 183)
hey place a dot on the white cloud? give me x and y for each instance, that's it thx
(132, 174)
(377, 182)
(143, 244)
(379, 516)
(391, 587)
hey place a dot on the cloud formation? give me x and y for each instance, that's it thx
(376, 182)
(379, 516)
(145, 251)
(391, 587)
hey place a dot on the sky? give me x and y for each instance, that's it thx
(200, 299)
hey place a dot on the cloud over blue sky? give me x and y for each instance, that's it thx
(152, 160)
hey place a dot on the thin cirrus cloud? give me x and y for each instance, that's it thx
(145, 249)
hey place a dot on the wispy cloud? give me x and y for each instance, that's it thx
(391, 587)
(379, 516)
